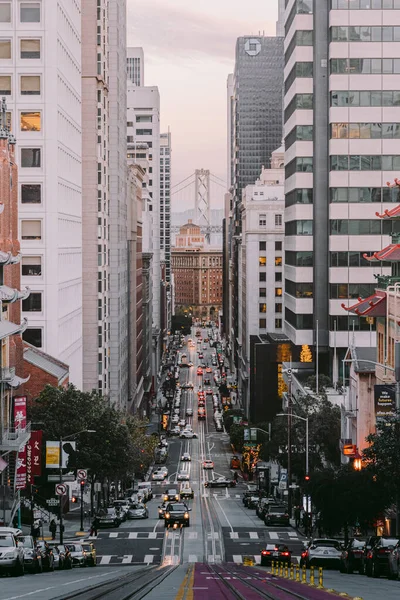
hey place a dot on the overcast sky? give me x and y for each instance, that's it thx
(189, 50)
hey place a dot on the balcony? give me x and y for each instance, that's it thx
(7, 374)
(13, 438)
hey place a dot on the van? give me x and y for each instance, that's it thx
(145, 486)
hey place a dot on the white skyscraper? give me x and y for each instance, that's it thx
(165, 201)
(40, 75)
(135, 65)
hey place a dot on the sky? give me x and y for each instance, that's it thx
(189, 51)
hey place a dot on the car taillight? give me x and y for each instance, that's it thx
(369, 555)
(265, 552)
(303, 554)
(383, 551)
(285, 553)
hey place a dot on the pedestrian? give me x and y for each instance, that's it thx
(306, 523)
(36, 529)
(94, 527)
(235, 476)
(53, 529)
(297, 516)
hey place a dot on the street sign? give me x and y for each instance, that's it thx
(61, 489)
(246, 434)
(52, 501)
(283, 481)
(55, 478)
(82, 474)
(253, 435)
(97, 487)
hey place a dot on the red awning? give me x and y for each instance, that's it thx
(391, 254)
(373, 306)
(393, 213)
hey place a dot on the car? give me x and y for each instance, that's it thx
(177, 514)
(208, 370)
(204, 346)
(89, 551)
(175, 431)
(277, 553)
(176, 414)
(377, 562)
(32, 555)
(161, 510)
(209, 392)
(352, 557)
(47, 555)
(235, 462)
(369, 543)
(189, 385)
(199, 371)
(175, 419)
(276, 515)
(12, 555)
(186, 491)
(394, 562)
(220, 482)
(252, 502)
(262, 506)
(201, 414)
(207, 380)
(187, 434)
(77, 555)
(158, 476)
(138, 510)
(322, 552)
(59, 558)
(189, 412)
(208, 464)
(183, 476)
(108, 517)
(171, 494)
(121, 506)
(182, 423)
(186, 457)
(201, 355)
(65, 558)
(163, 470)
(218, 425)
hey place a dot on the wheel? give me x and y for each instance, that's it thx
(349, 570)
(18, 570)
(39, 567)
(391, 575)
(375, 570)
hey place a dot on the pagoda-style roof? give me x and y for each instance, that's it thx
(10, 295)
(390, 254)
(393, 213)
(7, 328)
(373, 306)
(7, 258)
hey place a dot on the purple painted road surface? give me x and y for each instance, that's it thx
(220, 582)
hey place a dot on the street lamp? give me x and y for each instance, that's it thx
(62, 440)
(307, 465)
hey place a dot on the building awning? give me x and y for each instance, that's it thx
(7, 328)
(16, 381)
(7, 258)
(10, 295)
(390, 254)
(373, 306)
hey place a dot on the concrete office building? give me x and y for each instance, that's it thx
(119, 306)
(165, 201)
(342, 129)
(280, 24)
(40, 75)
(95, 195)
(135, 66)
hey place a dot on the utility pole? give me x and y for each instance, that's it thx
(289, 467)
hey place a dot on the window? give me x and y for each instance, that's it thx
(278, 307)
(129, 124)
(299, 321)
(365, 131)
(5, 12)
(262, 323)
(33, 303)
(144, 119)
(263, 292)
(30, 48)
(365, 162)
(31, 157)
(278, 261)
(262, 308)
(299, 102)
(278, 220)
(262, 261)
(33, 335)
(278, 323)
(262, 220)
(299, 228)
(278, 276)
(278, 292)
(31, 193)
(144, 131)
(31, 266)
(5, 49)
(278, 246)
(30, 121)
(5, 85)
(262, 276)
(262, 246)
(30, 85)
(364, 65)
(30, 12)
(31, 230)
(298, 290)
(299, 259)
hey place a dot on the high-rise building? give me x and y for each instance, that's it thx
(135, 65)
(95, 195)
(280, 24)
(165, 201)
(40, 74)
(342, 125)
(118, 277)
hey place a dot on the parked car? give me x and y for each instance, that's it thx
(108, 517)
(12, 555)
(121, 506)
(47, 555)
(208, 464)
(369, 543)
(277, 515)
(138, 510)
(89, 551)
(322, 553)
(77, 555)
(377, 562)
(177, 514)
(220, 482)
(394, 562)
(262, 506)
(277, 553)
(145, 486)
(352, 557)
(252, 502)
(32, 555)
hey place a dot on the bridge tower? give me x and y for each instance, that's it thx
(202, 200)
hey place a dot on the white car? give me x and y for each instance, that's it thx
(158, 476)
(186, 457)
(188, 434)
(12, 554)
(189, 412)
(175, 419)
(182, 423)
(183, 476)
(208, 464)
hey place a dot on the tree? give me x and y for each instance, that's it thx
(237, 437)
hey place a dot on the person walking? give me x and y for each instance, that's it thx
(297, 516)
(94, 527)
(53, 529)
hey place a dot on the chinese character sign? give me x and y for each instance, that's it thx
(36, 441)
(20, 483)
(20, 412)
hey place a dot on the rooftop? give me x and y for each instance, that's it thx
(44, 361)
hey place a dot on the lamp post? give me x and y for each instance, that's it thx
(62, 440)
(307, 463)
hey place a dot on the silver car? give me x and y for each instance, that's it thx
(11, 555)
(322, 552)
(138, 511)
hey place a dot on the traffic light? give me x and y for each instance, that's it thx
(82, 483)
(74, 499)
(307, 477)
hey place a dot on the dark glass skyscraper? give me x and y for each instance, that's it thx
(258, 106)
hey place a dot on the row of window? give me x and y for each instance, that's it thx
(298, 102)
(365, 34)
(29, 85)
(300, 38)
(262, 307)
(29, 48)
(364, 4)
(299, 259)
(263, 323)
(360, 162)
(298, 290)
(364, 66)
(365, 194)
(342, 291)
(301, 164)
(29, 12)
(300, 133)
(262, 262)
(336, 259)
(263, 246)
(365, 98)
(262, 220)
(340, 323)
(300, 69)
(299, 196)
(363, 131)
(345, 227)
(300, 7)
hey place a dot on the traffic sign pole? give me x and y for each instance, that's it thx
(61, 499)
(82, 485)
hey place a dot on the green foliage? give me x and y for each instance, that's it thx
(181, 324)
(237, 437)
(227, 417)
(382, 456)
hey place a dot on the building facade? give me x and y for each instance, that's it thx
(197, 273)
(95, 197)
(45, 113)
(135, 66)
(342, 122)
(165, 201)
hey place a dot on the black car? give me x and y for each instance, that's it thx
(220, 482)
(370, 543)
(352, 557)
(262, 507)
(277, 515)
(277, 553)
(177, 513)
(377, 562)
(252, 502)
(251, 490)
(32, 554)
(46, 553)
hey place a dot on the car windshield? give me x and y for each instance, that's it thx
(326, 544)
(277, 509)
(86, 548)
(75, 548)
(136, 506)
(358, 544)
(26, 541)
(388, 542)
(176, 507)
(6, 541)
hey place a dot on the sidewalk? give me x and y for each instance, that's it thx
(71, 529)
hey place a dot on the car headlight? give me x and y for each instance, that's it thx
(12, 554)
(29, 553)
(165, 498)
(177, 497)
(186, 515)
(167, 515)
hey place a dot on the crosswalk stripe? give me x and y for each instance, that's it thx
(253, 535)
(273, 535)
(113, 534)
(152, 535)
(127, 559)
(148, 558)
(292, 534)
(105, 560)
(132, 535)
(233, 535)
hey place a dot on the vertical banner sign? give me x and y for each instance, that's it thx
(20, 483)
(36, 441)
(29, 476)
(20, 412)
